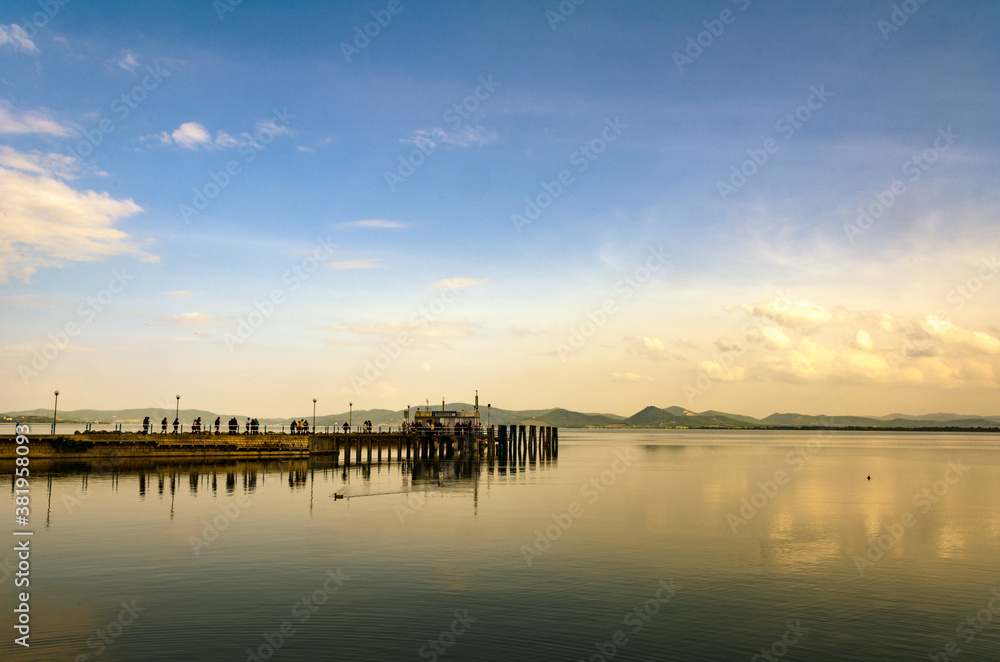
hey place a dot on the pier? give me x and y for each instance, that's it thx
(517, 444)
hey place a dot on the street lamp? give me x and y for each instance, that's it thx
(55, 408)
(350, 415)
(488, 405)
(314, 415)
(177, 411)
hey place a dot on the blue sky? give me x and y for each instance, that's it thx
(749, 292)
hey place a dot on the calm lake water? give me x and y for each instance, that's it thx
(633, 545)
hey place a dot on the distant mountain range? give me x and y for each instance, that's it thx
(650, 417)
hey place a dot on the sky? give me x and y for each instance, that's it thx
(737, 205)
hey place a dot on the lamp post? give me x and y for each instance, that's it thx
(488, 405)
(314, 415)
(177, 411)
(55, 408)
(350, 415)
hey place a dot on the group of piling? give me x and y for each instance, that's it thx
(515, 443)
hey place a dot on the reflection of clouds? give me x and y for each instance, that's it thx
(828, 511)
(950, 543)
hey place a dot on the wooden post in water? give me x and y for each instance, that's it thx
(555, 442)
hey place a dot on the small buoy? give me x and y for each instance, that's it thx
(869, 477)
(337, 496)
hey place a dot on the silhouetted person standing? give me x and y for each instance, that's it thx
(176, 423)
(145, 425)
(217, 421)
(163, 425)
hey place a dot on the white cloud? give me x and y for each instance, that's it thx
(191, 135)
(799, 342)
(775, 338)
(270, 127)
(30, 122)
(457, 283)
(345, 265)
(48, 224)
(788, 312)
(37, 162)
(949, 334)
(652, 348)
(194, 136)
(863, 341)
(374, 223)
(127, 61)
(13, 35)
(465, 136)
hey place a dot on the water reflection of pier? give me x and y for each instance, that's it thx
(438, 461)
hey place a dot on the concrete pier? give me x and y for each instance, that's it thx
(520, 444)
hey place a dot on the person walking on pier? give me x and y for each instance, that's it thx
(176, 423)
(163, 425)
(346, 427)
(145, 425)
(218, 420)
